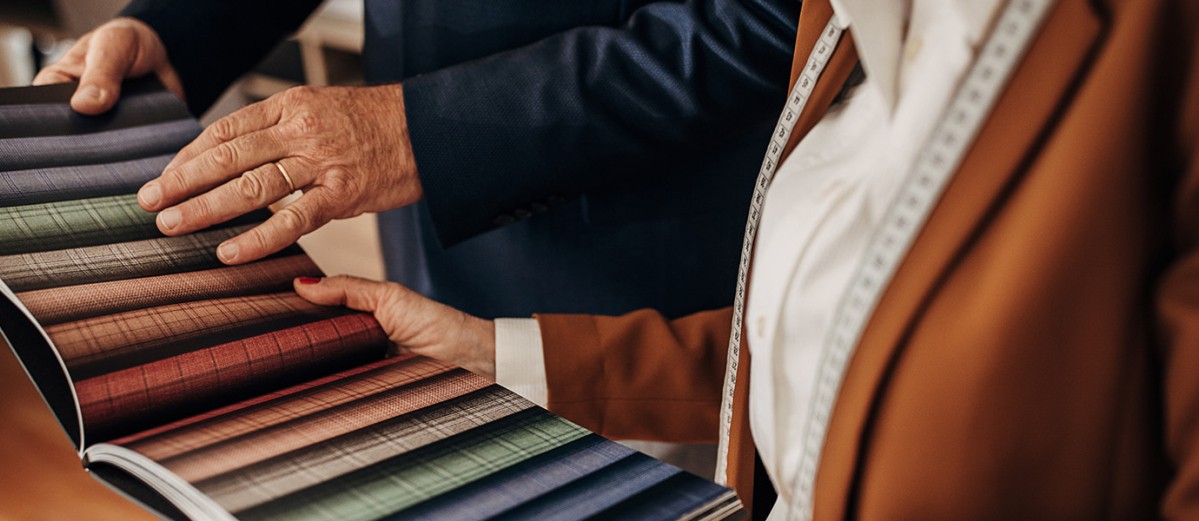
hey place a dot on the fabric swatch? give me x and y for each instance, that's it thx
(64, 183)
(125, 260)
(406, 480)
(64, 304)
(323, 425)
(111, 342)
(74, 224)
(59, 119)
(132, 399)
(20, 153)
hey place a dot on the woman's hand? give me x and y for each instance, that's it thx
(413, 322)
(100, 60)
(346, 148)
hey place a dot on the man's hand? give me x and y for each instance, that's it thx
(413, 322)
(100, 60)
(347, 148)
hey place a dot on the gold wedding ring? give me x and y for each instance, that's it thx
(291, 187)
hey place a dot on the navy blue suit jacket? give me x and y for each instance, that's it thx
(576, 156)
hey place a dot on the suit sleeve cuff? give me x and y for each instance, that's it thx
(519, 359)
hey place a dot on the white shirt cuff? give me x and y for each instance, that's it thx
(519, 359)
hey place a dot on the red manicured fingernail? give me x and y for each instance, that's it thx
(308, 280)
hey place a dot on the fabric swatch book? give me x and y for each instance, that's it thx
(206, 391)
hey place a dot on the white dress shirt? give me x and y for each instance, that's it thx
(822, 207)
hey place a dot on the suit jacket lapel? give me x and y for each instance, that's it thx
(1023, 117)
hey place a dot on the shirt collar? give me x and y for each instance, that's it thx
(879, 33)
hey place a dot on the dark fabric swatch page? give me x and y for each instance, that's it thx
(209, 391)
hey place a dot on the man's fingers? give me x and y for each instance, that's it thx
(309, 212)
(251, 118)
(110, 54)
(208, 170)
(352, 292)
(51, 76)
(252, 190)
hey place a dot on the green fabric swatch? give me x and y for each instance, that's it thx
(74, 224)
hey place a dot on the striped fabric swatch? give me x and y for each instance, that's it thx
(23, 153)
(522, 483)
(323, 425)
(93, 346)
(332, 460)
(120, 402)
(272, 409)
(395, 484)
(56, 119)
(125, 260)
(73, 224)
(58, 305)
(45, 185)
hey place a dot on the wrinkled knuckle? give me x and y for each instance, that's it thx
(224, 156)
(250, 186)
(222, 130)
(293, 219)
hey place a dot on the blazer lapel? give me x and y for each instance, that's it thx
(1022, 118)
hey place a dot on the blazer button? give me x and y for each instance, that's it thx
(538, 208)
(521, 213)
(503, 219)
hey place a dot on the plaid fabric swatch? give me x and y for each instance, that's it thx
(219, 424)
(58, 119)
(125, 401)
(22, 153)
(58, 305)
(45, 185)
(320, 426)
(521, 483)
(102, 344)
(73, 224)
(125, 260)
(410, 478)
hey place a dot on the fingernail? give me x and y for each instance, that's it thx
(227, 252)
(150, 195)
(170, 218)
(308, 280)
(92, 92)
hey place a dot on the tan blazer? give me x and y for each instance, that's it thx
(1036, 355)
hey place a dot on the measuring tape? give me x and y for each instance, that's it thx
(938, 160)
(796, 100)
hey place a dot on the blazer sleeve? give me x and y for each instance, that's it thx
(1178, 299)
(561, 116)
(211, 43)
(638, 376)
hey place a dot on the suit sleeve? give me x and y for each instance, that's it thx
(211, 43)
(638, 376)
(561, 116)
(1178, 300)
